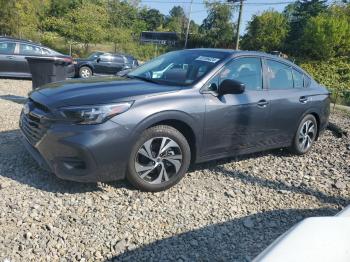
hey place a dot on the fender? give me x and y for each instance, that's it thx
(311, 110)
(196, 124)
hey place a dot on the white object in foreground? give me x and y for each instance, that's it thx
(320, 239)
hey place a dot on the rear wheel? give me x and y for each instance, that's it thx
(159, 159)
(85, 72)
(305, 136)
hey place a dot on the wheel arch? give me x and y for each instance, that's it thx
(86, 65)
(314, 113)
(184, 123)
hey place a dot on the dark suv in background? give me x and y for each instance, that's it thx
(101, 63)
(13, 52)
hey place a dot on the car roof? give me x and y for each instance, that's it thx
(9, 38)
(252, 53)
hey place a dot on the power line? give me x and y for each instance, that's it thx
(202, 3)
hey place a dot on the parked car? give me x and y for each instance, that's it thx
(183, 107)
(13, 52)
(314, 239)
(101, 63)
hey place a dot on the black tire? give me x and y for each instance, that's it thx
(156, 134)
(298, 146)
(85, 72)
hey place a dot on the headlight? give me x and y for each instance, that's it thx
(89, 115)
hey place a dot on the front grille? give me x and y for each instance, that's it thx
(34, 124)
(32, 128)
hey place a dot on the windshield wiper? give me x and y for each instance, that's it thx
(143, 78)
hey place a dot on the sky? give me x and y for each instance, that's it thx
(199, 12)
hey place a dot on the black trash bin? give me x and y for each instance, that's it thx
(47, 69)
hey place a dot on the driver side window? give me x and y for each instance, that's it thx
(246, 70)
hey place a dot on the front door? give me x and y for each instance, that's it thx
(104, 64)
(237, 123)
(7, 64)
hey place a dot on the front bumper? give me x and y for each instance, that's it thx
(71, 71)
(81, 153)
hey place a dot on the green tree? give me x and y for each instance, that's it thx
(22, 18)
(177, 20)
(298, 14)
(266, 32)
(217, 28)
(79, 26)
(152, 18)
(327, 35)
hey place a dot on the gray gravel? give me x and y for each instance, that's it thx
(228, 210)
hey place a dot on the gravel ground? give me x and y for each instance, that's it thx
(228, 210)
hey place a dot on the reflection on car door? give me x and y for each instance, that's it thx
(289, 100)
(103, 64)
(7, 63)
(118, 63)
(237, 123)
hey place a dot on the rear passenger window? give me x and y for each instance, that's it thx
(118, 59)
(25, 49)
(7, 48)
(279, 75)
(298, 79)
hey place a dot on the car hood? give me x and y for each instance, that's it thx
(96, 91)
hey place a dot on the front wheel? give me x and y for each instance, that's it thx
(159, 159)
(85, 72)
(305, 135)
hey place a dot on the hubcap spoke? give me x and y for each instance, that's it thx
(142, 168)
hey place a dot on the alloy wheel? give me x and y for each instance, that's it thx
(307, 135)
(158, 160)
(85, 73)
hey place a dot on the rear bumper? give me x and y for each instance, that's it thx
(83, 153)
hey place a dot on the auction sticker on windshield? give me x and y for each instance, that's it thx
(208, 59)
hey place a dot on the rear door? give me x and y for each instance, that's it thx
(23, 51)
(118, 63)
(289, 100)
(7, 63)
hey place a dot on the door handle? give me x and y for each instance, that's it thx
(262, 103)
(10, 57)
(303, 99)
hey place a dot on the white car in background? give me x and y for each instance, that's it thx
(315, 239)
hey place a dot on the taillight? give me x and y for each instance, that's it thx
(68, 60)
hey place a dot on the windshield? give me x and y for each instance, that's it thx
(95, 55)
(179, 67)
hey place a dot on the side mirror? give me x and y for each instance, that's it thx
(230, 86)
(98, 59)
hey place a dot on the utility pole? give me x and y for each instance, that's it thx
(188, 24)
(239, 19)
